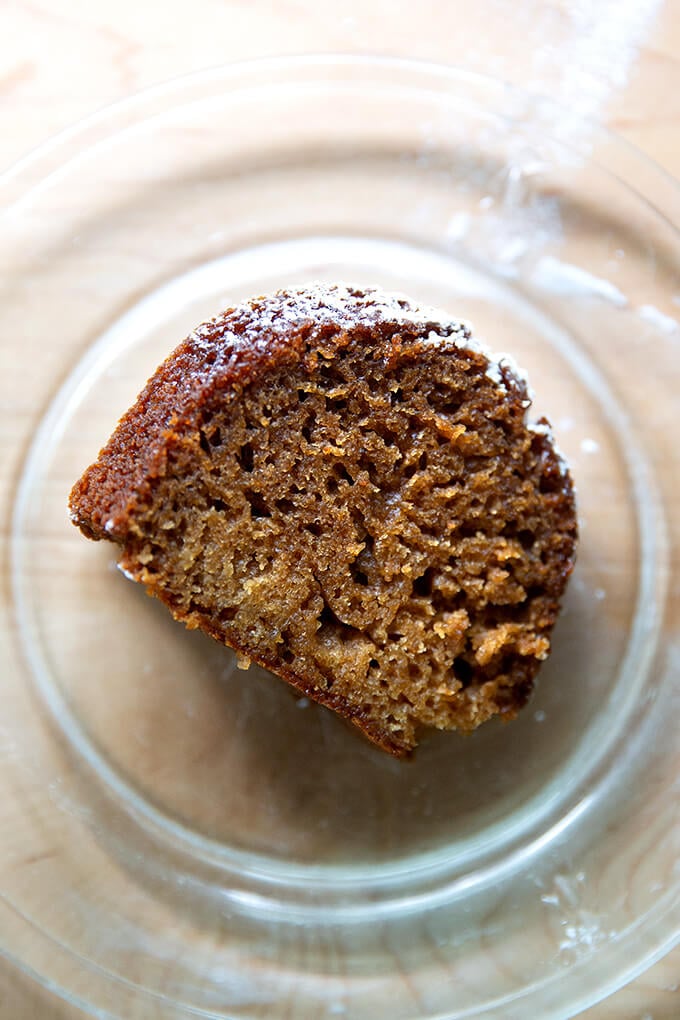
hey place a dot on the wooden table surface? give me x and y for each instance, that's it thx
(612, 60)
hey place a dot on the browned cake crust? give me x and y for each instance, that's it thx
(346, 489)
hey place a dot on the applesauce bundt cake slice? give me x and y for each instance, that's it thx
(345, 488)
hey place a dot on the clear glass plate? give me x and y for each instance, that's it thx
(182, 838)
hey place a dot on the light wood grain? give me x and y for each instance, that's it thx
(62, 59)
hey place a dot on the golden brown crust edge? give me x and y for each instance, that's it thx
(224, 354)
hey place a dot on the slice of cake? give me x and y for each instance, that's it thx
(345, 488)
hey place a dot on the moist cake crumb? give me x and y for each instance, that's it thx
(345, 488)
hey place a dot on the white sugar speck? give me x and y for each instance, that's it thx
(303, 702)
(589, 446)
(542, 428)
(583, 935)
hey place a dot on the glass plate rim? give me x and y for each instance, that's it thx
(18, 180)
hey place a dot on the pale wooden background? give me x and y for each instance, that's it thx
(617, 60)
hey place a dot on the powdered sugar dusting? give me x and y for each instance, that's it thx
(506, 363)
(542, 427)
(252, 326)
(340, 305)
